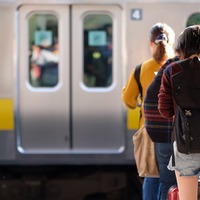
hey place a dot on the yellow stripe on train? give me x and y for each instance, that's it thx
(133, 118)
(6, 114)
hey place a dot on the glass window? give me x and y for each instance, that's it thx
(98, 50)
(193, 19)
(44, 51)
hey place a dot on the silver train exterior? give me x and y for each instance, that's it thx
(68, 110)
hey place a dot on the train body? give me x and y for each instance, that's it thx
(63, 66)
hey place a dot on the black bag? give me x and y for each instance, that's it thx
(186, 93)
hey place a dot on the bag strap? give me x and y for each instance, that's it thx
(137, 78)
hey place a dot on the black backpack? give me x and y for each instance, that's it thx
(186, 93)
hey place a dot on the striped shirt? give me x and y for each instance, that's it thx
(158, 128)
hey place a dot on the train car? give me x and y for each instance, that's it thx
(63, 66)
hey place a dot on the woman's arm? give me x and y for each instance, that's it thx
(130, 92)
(165, 98)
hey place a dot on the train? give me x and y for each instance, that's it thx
(63, 66)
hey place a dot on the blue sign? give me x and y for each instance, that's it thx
(97, 38)
(43, 38)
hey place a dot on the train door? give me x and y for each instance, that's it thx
(69, 79)
(43, 103)
(97, 80)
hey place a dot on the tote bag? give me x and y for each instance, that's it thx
(144, 153)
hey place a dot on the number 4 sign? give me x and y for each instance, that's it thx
(136, 14)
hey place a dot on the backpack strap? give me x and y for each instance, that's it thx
(193, 63)
(137, 78)
(182, 64)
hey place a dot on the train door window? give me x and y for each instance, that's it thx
(193, 19)
(44, 52)
(97, 50)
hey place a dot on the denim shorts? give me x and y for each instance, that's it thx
(186, 164)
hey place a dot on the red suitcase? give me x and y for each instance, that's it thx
(173, 193)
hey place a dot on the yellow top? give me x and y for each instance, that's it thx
(130, 92)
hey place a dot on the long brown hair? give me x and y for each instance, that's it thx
(163, 36)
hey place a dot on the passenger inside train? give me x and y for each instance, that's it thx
(98, 56)
(44, 51)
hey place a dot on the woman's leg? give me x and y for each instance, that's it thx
(150, 189)
(167, 177)
(187, 186)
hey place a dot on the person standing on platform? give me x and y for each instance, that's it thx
(186, 165)
(160, 131)
(161, 40)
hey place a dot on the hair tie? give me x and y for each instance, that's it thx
(160, 38)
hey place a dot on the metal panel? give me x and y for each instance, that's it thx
(97, 112)
(6, 52)
(43, 114)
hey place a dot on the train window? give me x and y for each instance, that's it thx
(193, 19)
(44, 52)
(97, 50)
